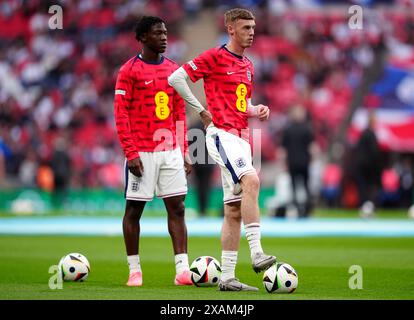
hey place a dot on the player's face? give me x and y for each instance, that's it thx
(244, 32)
(156, 38)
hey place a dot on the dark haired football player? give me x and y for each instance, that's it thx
(228, 77)
(151, 125)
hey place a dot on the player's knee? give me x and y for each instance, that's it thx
(233, 219)
(232, 212)
(236, 219)
(177, 210)
(133, 210)
(250, 183)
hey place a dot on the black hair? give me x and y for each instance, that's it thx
(144, 25)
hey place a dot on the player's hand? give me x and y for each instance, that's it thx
(263, 112)
(188, 166)
(206, 118)
(136, 167)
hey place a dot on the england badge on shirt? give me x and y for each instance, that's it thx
(249, 75)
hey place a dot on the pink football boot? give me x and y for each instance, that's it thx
(135, 279)
(183, 279)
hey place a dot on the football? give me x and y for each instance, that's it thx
(74, 267)
(280, 278)
(205, 271)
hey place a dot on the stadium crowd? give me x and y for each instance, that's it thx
(59, 84)
(56, 86)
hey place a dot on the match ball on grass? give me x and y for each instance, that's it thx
(205, 271)
(74, 267)
(280, 278)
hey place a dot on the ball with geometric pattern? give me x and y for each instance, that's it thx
(280, 278)
(205, 271)
(74, 267)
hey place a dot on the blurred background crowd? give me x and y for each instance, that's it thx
(345, 96)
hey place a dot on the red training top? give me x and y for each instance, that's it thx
(149, 113)
(227, 84)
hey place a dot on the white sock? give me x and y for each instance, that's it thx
(181, 263)
(253, 237)
(134, 264)
(228, 264)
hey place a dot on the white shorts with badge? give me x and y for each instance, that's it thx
(233, 155)
(164, 176)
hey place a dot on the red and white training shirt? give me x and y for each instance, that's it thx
(227, 84)
(149, 113)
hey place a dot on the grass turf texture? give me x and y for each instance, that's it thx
(322, 265)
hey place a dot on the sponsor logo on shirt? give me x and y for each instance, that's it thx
(249, 75)
(121, 92)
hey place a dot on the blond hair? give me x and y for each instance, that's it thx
(235, 14)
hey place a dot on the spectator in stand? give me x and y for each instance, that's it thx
(54, 83)
(297, 141)
(45, 177)
(47, 77)
(368, 169)
(405, 171)
(331, 184)
(390, 187)
(2, 168)
(61, 167)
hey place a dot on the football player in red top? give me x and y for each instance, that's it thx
(151, 125)
(228, 76)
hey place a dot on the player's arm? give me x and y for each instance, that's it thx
(260, 111)
(122, 103)
(178, 80)
(180, 123)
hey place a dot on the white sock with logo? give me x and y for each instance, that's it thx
(228, 264)
(253, 237)
(134, 264)
(181, 263)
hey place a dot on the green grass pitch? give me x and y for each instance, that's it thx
(322, 264)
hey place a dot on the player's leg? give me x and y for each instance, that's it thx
(178, 232)
(236, 155)
(138, 190)
(131, 231)
(239, 154)
(233, 155)
(251, 219)
(172, 187)
(250, 184)
(230, 241)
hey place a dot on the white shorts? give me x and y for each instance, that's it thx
(233, 155)
(164, 176)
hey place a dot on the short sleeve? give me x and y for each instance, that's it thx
(202, 66)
